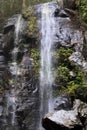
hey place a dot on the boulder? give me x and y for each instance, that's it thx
(10, 24)
(62, 102)
(77, 59)
(70, 12)
(62, 120)
(60, 13)
(8, 28)
(67, 120)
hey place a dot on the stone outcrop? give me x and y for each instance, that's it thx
(67, 120)
(26, 86)
(77, 59)
(62, 102)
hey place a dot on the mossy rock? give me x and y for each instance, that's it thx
(31, 22)
(35, 54)
(69, 84)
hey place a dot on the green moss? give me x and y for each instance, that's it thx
(69, 83)
(35, 56)
(83, 9)
(31, 25)
(62, 75)
(63, 55)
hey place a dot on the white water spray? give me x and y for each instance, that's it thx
(14, 67)
(15, 71)
(46, 76)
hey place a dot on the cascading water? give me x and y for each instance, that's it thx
(14, 68)
(11, 97)
(46, 76)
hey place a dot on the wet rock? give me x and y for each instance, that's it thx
(70, 12)
(1, 35)
(27, 104)
(1, 52)
(10, 24)
(67, 120)
(8, 42)
(27, 65)
(1, 110)
(60, 13)
(77, 59)
(8, 28)
(63, 14)
(62, 102)
(62, 120)
(67, 35)
(81, 108)
(2, 58)
(56, 13)
(1, 100)
(72, 74)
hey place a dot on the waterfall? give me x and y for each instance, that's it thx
(46, 75)
(17, 29)
(11, 96)
(13, 67)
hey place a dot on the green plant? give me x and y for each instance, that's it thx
(83, 9)
(63, 55)
(69, 83)
(35, 56)
(62, 75)
(31, 25)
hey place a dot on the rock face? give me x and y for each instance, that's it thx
(77, 59)
(26, 86)
(62, 102)
(67, 120)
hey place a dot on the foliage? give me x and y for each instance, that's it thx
(69, 83)
(31, 27)
(11, 7)
(61, 75)
(83, 9)
(63, 55)
(35, 56)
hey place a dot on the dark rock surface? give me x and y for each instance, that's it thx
(67, 120)
(25, 86)
(62, 102)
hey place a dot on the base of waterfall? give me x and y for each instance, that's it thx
(74, 119)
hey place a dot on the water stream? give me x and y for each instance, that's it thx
(46, 74)
(47, 31)
(11, 97)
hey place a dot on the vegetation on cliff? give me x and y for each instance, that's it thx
(82, 9)
(70, 77)
(36, 65)
(31, 22)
